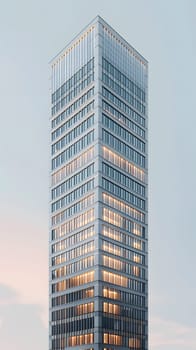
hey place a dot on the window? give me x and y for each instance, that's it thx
(76, 117)
(114, 339)
(123, 164)
(123, 106)
(74, 267)
(123, 281)
(116, 219)
(73, 181)
(125, 297)
(72, 196)
(110, 308)
(81, 339)
(119, 265)
(74, 165)
(70, 226)
(121, 206)
(120, 192)
(124, 238)
(73, 150)
(74, 133)
(75, 281)
(123, 133)
(123, 93)
(122, 148)
(121, 118)
(74, 239)
(72, 87)
(134, 343)
(74, 209)
(114, 278)
(73, 253)
(129, 84)
(72, 297)
(123, 179)
(73, 311)
(69, 110)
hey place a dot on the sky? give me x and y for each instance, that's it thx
(31, 33)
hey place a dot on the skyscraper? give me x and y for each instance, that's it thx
(98, 235)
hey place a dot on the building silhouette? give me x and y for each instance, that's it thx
(98, 228)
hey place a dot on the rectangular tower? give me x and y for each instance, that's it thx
(98, 233)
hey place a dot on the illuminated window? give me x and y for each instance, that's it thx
(123, 237)
(121, 206)
(134, 343)
(71, 182)
(74, 253)
(111, 293)
(74, 165)
(81, 339)
(72, 196)
(111, 248)
(72, 150)
(76, 238)
(123, 164)
(121, 252)
(111, 308)
(114, 339)
(111, 233)
(112, 263)
(137, 244)
(72, 134)
(114, 278)
(74, 209)
(85, 308)
(73, 296)
(123, 194)
(137, 258)
(89, 293)
(112, 217)
(73, 224)
(136, 270)
(74, 267)
(75, 281)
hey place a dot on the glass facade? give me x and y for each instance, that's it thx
(98, 194)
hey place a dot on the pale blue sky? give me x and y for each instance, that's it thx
(31, 33)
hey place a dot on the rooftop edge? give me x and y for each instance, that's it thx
(96, 19)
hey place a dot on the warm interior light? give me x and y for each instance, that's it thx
(122, 163)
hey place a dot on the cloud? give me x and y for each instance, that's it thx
(170, 335)
(7, 291)
(8, 295)
(25, 268)
(21, 327)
